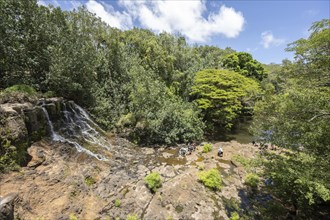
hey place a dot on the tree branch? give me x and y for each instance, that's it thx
(317, 116)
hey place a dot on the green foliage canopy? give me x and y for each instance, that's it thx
(243, 63)
(223, 94)
(297, 118)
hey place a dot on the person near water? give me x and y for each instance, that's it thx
(220, 152)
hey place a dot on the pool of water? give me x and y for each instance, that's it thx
(240, 134)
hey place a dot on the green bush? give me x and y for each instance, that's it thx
(72, 217)
(117, 203)
(234, 216)
(211, 178)
(89, 181)
(153, 181)
(131, 217)
(207, 147)
(49, 94)
(252, 180)
(8, 154)
(21, 88)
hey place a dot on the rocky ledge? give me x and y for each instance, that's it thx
(59, 182)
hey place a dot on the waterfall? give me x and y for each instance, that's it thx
(76, 129)
(81, 124)
(50, 124)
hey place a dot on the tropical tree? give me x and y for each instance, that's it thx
(222, 95)
(297, 117)
(243, 63)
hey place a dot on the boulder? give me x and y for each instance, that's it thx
(7, 206)
(36, 122)
(38, 155)
(12, 119)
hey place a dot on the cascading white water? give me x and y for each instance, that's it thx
(82, 121)
(76, 127)
(50, 124)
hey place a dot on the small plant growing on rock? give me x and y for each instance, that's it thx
(89, 181)
(234, 216)
(179, 209)
(207, 148)
(72, 217)
(8, 154)
(252, 180)
(201, 167)
(153, 181)
(117, 203)
(131, 217)
(211, 178)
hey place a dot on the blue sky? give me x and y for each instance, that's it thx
(262, 28)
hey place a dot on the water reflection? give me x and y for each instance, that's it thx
(240, 133)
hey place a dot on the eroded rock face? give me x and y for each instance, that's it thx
(23, 121)
(26, 121)
(12, 120)
(36, 122)
(7, 206)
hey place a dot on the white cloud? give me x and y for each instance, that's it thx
(268, 39)
(49, 2)
(40, 2)
(185, 17)
(188, 17)
(109, 15)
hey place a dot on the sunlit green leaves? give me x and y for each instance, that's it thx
(222, 95)
(297, 116)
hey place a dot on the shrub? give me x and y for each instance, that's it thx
(89, 181)
(18, 93)
(72, 217)
(8, 154)
(207, 147)
(172, 120)
(49, 94)
(21, 88)
(131, 217)
(249, 164)
(234, 216)
(252, 180)
(153, 181)
(117, 203)
(211, 178)
(179, 208)
(231, 205)
(126, 120)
